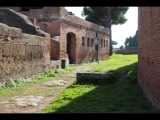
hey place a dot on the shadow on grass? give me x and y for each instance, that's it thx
(120, 93)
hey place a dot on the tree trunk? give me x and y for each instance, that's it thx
(110, 49)
(109, 26)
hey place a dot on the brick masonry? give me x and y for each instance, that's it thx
(57, 22)
(36, 37)
(128, 50)
(55, 52)
(148, 52)
(22, 55)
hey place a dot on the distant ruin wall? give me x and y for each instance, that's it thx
(127, 50)
(22, 55)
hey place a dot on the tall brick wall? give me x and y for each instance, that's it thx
(22, 55)
(84, 53)
(55, 49)
(148, 52)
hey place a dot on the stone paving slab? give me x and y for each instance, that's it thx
(24, 101)
(56, 82)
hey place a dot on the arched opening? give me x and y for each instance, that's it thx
(71, 47)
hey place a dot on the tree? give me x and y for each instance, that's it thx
(105, 16)
(114, 42)
(132, 41)
(121, 47)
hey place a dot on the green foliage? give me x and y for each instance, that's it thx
(98, 15)
(114, 42)
(10, 83)
(132, 41)
(22, 80)
(51, 74)
(121, 94)
(121, 47)
(39, 77)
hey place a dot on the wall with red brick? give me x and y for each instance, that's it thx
(127, 50)
(56, 22)
(148, 52)
(47, 19)
(22, 55)
(51, 27)
(43, 13)
(18, 20)
(81, 28)
(55, 49)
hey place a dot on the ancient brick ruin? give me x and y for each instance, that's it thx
(127, 50)
(148, 52)
(22, 55)
(77, 37)
(32, 38)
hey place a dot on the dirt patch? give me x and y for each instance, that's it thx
(40, 95)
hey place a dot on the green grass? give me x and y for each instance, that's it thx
(14, 87)
(120, 94)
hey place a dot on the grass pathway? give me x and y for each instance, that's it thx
(32, 91)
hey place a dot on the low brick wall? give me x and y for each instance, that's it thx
(92, 76)
(22, 55)
(128, 50)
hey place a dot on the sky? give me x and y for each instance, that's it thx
(119, 32)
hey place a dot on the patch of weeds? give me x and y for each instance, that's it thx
(20, 81)
(50, 74)
(10, 83)
(49, 88)
(49, 94)
(57, 71)
(11, 100)
(69, 68)
(33, 91)
(40, 77)
(2, 86)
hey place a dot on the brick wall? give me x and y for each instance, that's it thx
(55, 49)
(83, 53)
(22, 55)
(148, 52)
(51, 27)
(49, 20)
(127, 50)
(18, 20)
(43, 13)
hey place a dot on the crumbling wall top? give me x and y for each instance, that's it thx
(18, 20)
(87, 24)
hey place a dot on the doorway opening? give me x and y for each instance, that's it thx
(71, 47)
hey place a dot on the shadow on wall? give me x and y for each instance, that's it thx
(119, 94)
